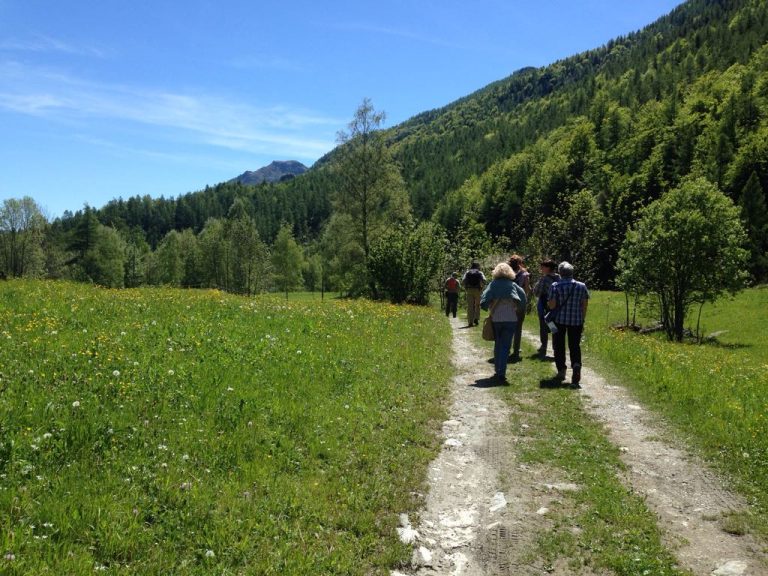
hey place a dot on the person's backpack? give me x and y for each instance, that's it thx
(452, 285)
(473, 279)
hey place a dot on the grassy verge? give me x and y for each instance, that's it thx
(603, 525)
(176, 432)
(715, 394)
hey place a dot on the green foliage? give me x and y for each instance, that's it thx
(371, 190)
(287, 261)
(406, 260)
(686, 248)
(22, 231)
(158, 431)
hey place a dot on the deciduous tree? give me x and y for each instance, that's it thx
(687, 248)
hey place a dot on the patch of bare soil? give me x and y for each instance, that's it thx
(472, 525)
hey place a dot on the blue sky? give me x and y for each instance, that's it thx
(108, 99)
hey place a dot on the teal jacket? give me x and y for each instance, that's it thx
(502, 288)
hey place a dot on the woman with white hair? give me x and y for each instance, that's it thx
(503, 298)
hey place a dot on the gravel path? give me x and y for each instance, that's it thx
(471, 527)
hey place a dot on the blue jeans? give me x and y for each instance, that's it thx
(504, 332)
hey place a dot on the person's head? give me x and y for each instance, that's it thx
(565, 269)
(475, 266)
(503, 270)
(548, 266)
(516, 262)
(454, 274)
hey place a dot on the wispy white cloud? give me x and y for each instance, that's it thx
(42, 43)
(199, 118)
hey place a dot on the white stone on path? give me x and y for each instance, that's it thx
(732, 568)
(498, 502)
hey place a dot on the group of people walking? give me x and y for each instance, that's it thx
(561, 307)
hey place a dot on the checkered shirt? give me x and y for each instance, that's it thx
(572, 293)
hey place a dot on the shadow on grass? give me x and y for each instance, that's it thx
(490, 382)
(555, 384)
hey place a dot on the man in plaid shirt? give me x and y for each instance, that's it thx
(569, 299)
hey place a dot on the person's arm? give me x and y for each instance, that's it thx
(523, 297)
(584, 304)
(552, 301)
(485, 299)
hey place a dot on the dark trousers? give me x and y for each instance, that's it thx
(451, 303)
(574, 345)
(543, 328)
(518, 335)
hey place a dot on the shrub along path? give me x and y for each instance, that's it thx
(505, 496)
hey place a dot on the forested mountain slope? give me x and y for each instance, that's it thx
(558, 159)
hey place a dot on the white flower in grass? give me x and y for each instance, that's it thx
(10, 556)
(115, 373)
(76, 404)
(209, 554)
(171, 372)
(186, 486)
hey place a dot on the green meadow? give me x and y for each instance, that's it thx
(714, 393)
(160, 431)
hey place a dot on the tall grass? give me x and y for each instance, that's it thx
(159, 431)
(715, 393)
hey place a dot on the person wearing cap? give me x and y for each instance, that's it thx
(569, 299)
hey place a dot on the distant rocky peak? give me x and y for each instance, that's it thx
(277, 171)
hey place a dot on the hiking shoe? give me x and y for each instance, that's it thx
(560, 375)
(542, 352)
(576, 378)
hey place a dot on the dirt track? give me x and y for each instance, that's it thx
(471, 527)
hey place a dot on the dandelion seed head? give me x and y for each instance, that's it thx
(76, 404)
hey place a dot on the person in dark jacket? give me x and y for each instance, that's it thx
(503, 298)
(548, 277)
(473, 282)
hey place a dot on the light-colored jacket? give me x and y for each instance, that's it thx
(507, 292)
